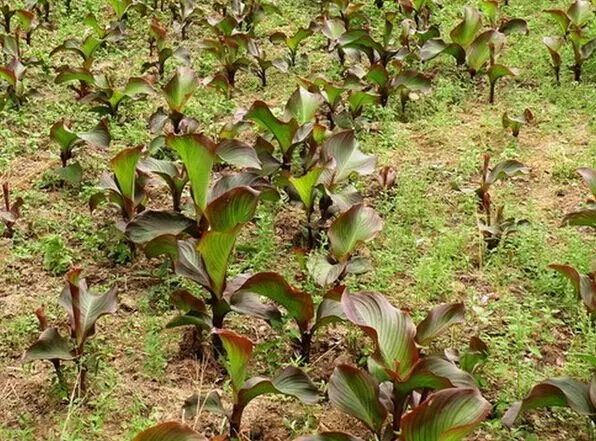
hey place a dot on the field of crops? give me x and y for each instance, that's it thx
(309, 220)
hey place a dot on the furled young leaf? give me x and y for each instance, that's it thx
(273, 286)
(356, 393)
(291, 381)
(449, 414)
(554, 392)
(180, 88)
(358, 224)
(305, 186)
(303, 105)
(170, 431)
(215, 248)
(438, 320)
(85, 307)
(391, 330)
(49, 346)
(124, 165)
(238, 353)
(197, 153)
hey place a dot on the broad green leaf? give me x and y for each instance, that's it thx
(412, 81)
(561, 18)
(170, 431)
(211, 403)
(435, 46)
(391, 330)
(294, 41)
(333, 28)
(238, 353)
(151, 224)
(446, 415)
(305, 186)
(490, 8)
(90, 306)
(356, 393)
(238, 154)
(554, 392)
(359, 99)
(514, 25)
(197, 153)
(77, 74)
(465, 32)
(303, 105)
(330, 309)
(124, 166)
(435, 373)
(49, 346)
(282, 131)
(291, 381)
(61, 134)
(99, 135)
(438, 320)
(378, 75)
(189, 263)
(479, 52)
(231, 209)
(215, 249)
(497, 71)
(358, 224)
(343, 149)
(273, 286)
(137, 86)
(180, 88)
(72, 173)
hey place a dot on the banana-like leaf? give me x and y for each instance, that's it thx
(211, 403)
(282, 131)
(291, 381)
(238, 353)
(273, 286)
(169, 431)
(554, 392)
(190, 264)
(505, 169)
(435, 47)
(357, 225)
(515, 123)
(449, 414)
(323, 272)
(497, 71)
(465, 32)
(303, 105)
(343, 149)
(561, 18)
(180, 88)
(330, 309)
(197, 153)
(151, 224)
(391, 330)
(83, 307)
(479, 52)
(435, 373)
(305, 186)
(438, 320)
(124, 166)
(215, 248)
(238, 154)
(77, 74)
(233, 208)
(137, 86)
(580, 12)
(49, 346)
(357, 393)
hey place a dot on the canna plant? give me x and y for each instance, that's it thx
(359, 224)
(185, 13)
(515, 123)
(574, 23)
(405, 395)
(123, 188)
(85, 48)
(177, 92)
(260, 64)
(172, 173)
(158, 43)
(83, 308)
(300, 306)
(13, 90)
(11, 212)
(68, 140)
(557, 392)
(292, 43)
(476, 47)
(584, 285)
(585, 216)
(495, 226)
(419, 10)
(247, 13)
(291, 382)
(230, 52)
(350, 13)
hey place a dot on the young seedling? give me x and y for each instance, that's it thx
(291, 382)
(83, 308)
(515, 123)
(158, 43)
(68, 140)
(292, 43)
(12, 75)
(11, 211)
(585, 216)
